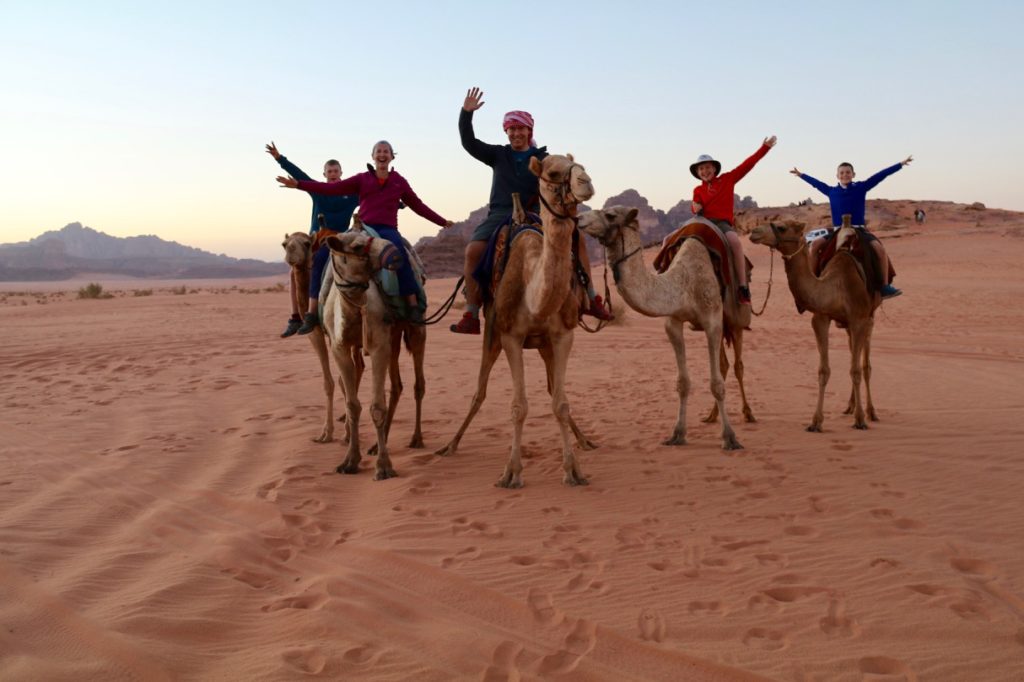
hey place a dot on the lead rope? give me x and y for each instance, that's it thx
(601, 324)
(439, 314)
(767, 295)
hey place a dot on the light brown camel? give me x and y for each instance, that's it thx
(298, 254)
(535, 307)
(355, 312)
(839, 294)
(687, 292)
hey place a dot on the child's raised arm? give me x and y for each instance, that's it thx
(813, 182)
(873, 181)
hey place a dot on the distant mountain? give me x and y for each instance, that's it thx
(443, 254)
(74, 249)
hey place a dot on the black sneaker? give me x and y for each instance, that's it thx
(293, 326)
(309, 323)
(744, 293)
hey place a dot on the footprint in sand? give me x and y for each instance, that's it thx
(309, 602)
(929, 590)
(461, 525)
(792, 594)
(883, 665)
(467, 554)
(882, 562)
(578, 643)
(268, 491)
(971, 610)
(543, 608)
(503, 667)
(311, 505)
(345, 536)
(652, 625)
(836, 623)
(800, 531)
(976, 568)
(253, 579)
(705, 607)
(817, 504)
(763, 638)
(362, 654)
(309, 660)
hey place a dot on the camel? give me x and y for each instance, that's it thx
(838, 294)
(356, 313)
(299, 255)
(687, 292)
(535, 307)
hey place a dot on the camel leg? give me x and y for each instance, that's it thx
(350, 387)
(737, 365)
(418, 347)
(320, 346)
(820, 323)
(713, 331)
(512, 476)
(723, 364)
(582, 441)
(395, 379)
(560, 407)
(857, 333)
(851, 403)
(674, 330)
(866, 352)
(487, 360)
(380, 362)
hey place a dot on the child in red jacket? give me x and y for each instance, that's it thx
(713, 199)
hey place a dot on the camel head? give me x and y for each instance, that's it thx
(296, 248)
(563, 182)
(787, 237)
(356, 256)
(607, 224)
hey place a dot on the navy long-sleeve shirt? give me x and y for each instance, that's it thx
(337, 210)
(851, 199)
(511, 170)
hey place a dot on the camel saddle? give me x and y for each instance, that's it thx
(492, 265)
(856, 242)
(708, 234)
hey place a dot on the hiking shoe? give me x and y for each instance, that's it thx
(744, 293)
(889, 291)
(469, 324)
(293, 326)
(309, 323)
(598, 309)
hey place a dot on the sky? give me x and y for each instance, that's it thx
(151, 118)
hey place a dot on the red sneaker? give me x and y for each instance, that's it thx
(597, 309)
(469, 324)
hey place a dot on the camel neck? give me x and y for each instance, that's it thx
(552, 279)
(646, 292)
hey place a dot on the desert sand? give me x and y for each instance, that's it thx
(165, 515)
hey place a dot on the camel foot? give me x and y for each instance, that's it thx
(731, 444)
(712, 416)
(342, 418)
(372, 452)
(586, 444)
(416, 441)
(872, 416)
(814, 428)
(848, 410)
(348, 467)
(861, 426)
(447, 450)
(574, 478)
(324, 438)
(384, 474)
(509, 482)
(675, 439)
(748, 417)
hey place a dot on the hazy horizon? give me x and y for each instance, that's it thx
(152, 120)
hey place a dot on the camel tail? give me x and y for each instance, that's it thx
(727, 335)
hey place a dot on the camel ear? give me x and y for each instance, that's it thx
(535, 166)
(569, 156)
(335, 244)
(631, 216)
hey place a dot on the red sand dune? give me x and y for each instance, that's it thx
(164, 514)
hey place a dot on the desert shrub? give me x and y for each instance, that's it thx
(93, 290)
(179, 291)
(143, 292)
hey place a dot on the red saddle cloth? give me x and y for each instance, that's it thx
(709, 237)
(864, 254)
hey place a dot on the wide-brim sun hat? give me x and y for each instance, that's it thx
(704, 158)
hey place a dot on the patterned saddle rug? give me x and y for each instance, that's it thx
(492, 265)
(856, 242)
(713, 240)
